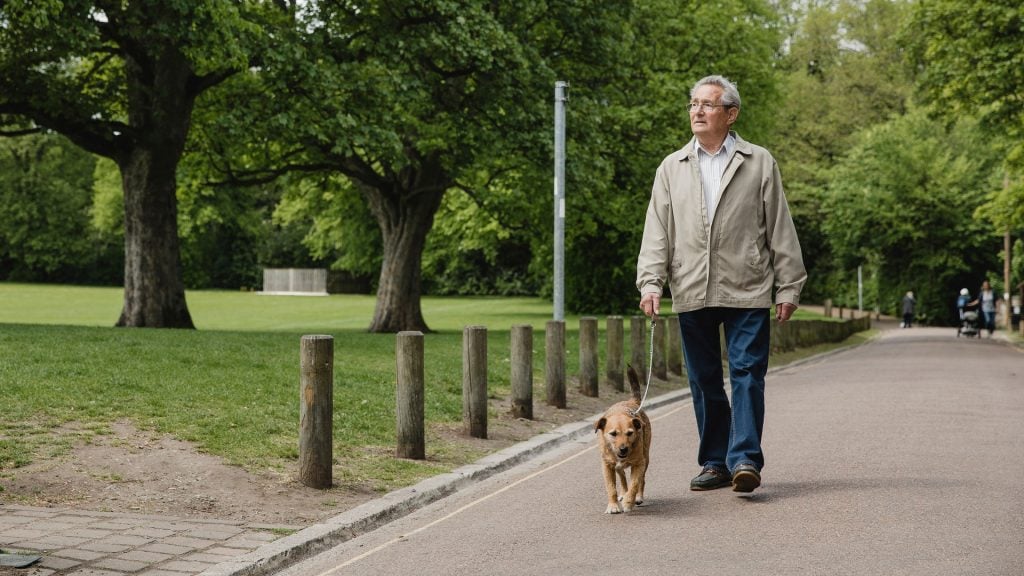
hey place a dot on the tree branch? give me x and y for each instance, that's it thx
(25, 132)
(265, 176)
(199, 84)
(101, 137)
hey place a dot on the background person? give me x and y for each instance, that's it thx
(987, 304)
(908, 309)
(718, 230)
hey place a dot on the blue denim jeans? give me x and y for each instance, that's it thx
(730, 435)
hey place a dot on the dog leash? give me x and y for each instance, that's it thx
(650, 367)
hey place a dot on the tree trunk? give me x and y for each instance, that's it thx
(154, 293)
(405, 215)
(160, 113)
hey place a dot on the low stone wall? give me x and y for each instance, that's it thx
(802, 333)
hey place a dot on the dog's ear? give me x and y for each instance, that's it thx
(638, 424)
(599, 425)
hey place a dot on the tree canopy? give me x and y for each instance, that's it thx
(120, 79)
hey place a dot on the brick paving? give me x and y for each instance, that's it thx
(83, 543)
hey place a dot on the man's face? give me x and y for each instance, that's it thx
(711, 124)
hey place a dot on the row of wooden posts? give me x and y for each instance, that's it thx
(317, 377)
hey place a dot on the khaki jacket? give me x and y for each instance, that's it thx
(733, 262)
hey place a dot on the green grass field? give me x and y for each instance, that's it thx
(231, 386)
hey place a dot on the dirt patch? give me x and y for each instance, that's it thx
(142, 472)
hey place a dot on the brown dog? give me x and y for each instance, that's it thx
(625, 443)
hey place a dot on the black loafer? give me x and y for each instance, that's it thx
(710, 478)
(745, 478)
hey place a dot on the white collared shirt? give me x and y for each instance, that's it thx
(712, 168)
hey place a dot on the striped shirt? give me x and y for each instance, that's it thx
(712, 168)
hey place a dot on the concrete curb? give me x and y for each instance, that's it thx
(365, 518)
(319, 537)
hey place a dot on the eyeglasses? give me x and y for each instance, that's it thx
(705, 106)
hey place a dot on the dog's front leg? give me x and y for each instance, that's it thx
(609, 486)
(635, 494)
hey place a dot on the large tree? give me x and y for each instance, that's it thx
(409, 99)
(120, 79)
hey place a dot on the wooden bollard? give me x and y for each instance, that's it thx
(638, 346)
(521, 342)
(613, 365)
(588, 356)
(675, 345)
(658, 365)
(409, 396)
(554, 373)
(474, 381)
(316, 409)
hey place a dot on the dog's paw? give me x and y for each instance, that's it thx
(628, 506)
(613, 509)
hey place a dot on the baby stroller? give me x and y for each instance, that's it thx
(969, 324)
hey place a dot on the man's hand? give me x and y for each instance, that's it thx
(783, 311)
(651, 304)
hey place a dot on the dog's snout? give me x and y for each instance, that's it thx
(623, 450)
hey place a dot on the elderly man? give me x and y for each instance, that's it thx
(718, 231)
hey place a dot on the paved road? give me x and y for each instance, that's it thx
(903, 456)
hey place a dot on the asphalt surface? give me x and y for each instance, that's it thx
(901, 456)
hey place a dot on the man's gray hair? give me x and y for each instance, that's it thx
(730, 95)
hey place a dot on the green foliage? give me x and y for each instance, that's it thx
(971, 64)
(331, 220)
(63, 64)
(107, 211)
(45, 194)
(843, 73)
(901, 202)
(970, 59)
(470, 252)
(223, 232)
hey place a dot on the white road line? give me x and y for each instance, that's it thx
(478, 501)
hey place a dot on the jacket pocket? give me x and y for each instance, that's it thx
(754, 255)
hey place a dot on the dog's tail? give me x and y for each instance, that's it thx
(634, 384)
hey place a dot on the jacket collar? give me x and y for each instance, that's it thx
(689, 152)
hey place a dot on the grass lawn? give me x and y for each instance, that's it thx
(231, 387)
